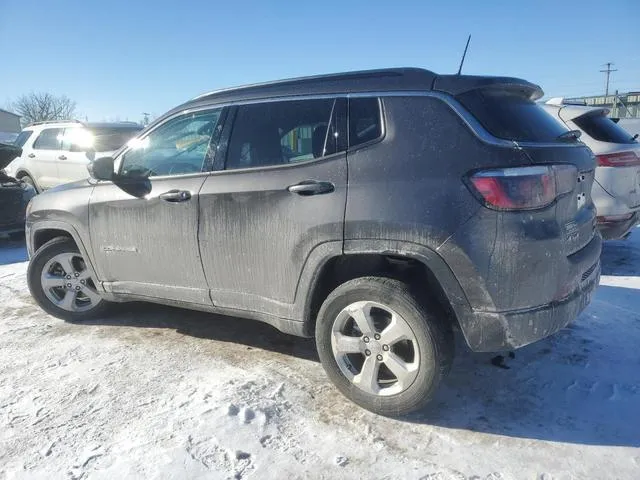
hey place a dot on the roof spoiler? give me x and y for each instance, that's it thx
(459, 84)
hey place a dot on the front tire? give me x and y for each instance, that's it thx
(61, 284)
(381, 346)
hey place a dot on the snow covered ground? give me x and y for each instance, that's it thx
(154, 392)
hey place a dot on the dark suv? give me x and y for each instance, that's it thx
(378, 210)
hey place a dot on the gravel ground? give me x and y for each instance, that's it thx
(155, 392)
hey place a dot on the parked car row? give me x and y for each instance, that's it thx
(378, 211)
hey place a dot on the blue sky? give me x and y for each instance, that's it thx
(120, 58)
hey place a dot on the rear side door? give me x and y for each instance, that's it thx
(42, 161)
(144, 229)
(280, 193)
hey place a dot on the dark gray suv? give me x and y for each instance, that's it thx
(379, 211)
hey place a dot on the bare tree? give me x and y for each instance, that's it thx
(39, 107)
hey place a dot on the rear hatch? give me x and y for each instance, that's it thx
(509, 112)
(617, 153)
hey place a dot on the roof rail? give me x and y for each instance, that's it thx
(53, 121)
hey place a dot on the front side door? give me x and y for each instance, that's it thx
(281, 193)
(146, 245)
(43, 160)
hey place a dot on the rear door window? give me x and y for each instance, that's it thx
(285, 132)
(49, 139)
(511, 116)
(602, 128)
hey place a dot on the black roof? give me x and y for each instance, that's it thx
(391, 79)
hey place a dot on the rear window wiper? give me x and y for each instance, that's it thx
(570, 135)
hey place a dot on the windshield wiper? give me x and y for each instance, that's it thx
(570, 135)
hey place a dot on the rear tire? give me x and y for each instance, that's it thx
(61, 284)
(383, 348)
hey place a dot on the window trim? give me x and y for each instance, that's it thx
(383, 125)
(471, 122)
(119, 156)
(35, 140)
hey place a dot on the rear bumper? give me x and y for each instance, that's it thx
(518, 328)
(615, 230)
(559, 287)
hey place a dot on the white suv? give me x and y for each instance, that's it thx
(616, 190)
(54, 153)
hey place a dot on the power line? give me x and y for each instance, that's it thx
(608, 72)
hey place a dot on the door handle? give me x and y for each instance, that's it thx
(62, 157)
(32, 155)
(175, 196)
(311, 187)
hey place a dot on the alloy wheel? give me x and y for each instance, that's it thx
(375, 348)
(67, 283)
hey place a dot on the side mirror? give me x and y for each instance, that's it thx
(101, 168)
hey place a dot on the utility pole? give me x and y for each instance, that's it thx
(608, 71)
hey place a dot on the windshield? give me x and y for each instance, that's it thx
(107, 139)
(600, 127)
(511, 116)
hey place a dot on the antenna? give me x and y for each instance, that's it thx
(464, 54)
(608, 72)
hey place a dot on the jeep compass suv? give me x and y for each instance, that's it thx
(378, 210)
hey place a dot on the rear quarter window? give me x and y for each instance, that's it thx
(602, 128)
(511, 116)
(365, 124)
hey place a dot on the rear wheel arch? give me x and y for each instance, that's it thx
(426, 273)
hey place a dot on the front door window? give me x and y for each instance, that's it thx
(180, 146)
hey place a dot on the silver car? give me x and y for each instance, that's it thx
(616, 190)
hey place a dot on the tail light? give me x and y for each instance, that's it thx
(523, 188)
(615, 218)
(618, 159)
